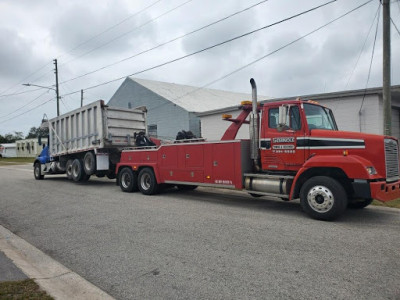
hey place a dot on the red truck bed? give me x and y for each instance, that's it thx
(217, 164)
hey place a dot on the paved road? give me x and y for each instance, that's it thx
(204, 244)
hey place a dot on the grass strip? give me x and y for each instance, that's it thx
(19, 290)
(9, 161)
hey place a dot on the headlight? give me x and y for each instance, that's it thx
(371, 170)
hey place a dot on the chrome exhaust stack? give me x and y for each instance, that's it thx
(254, 130)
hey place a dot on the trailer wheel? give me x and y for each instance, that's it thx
(89, 163)
(323, 198)
(128, 181)
(359, 203)
(37, 171)
(77, 170)
(147, 182)
(68, 168)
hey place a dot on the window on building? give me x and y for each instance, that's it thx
(152, 129)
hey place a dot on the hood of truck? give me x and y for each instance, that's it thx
(370, 147)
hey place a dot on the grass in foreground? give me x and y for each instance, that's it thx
(16, 160)
(25, 289)
(393, 203)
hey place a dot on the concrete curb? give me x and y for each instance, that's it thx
(57, 280)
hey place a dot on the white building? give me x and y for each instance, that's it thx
(357, 110)
(8, 150)
(29, 147)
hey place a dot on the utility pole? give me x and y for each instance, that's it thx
(387, 98)
(57, 91)
(81, 98)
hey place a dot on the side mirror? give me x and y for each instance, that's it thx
(40, 140)
(283, 117)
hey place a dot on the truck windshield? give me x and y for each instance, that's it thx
(319, 117)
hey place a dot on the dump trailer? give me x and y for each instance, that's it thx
(88, 141)
(295, 151)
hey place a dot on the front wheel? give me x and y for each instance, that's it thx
(323, 198)
(37, 171)
(147, 182)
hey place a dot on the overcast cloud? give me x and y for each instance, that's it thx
(33, 33)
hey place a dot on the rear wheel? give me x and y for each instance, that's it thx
(77, 170)
(323, 198)
(37, 171)
(89, 163)
(128, 180)
(68, 168)
(147, 182)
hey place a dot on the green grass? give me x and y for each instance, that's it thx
(393, 203)
(16, 160)
(19, 290)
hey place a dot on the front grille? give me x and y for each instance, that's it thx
(392, 160)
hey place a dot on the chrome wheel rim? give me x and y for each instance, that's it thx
(145, 181)
(320, 199)
(125, 180)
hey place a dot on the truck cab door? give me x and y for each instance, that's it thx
(278, 145)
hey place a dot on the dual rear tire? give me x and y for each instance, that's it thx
(145, 181)
(77, 171)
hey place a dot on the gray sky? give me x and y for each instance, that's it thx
(33, 33)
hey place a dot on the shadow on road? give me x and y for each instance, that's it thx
(370, 215)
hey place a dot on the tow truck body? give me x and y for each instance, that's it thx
(295, 151)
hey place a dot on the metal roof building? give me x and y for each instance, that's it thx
(172, 107)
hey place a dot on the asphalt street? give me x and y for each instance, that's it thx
(202, 244)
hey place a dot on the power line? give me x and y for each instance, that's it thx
(370, 67)
(20, 93)
(208, 48)
(168, 42)
(273, 52)
(23, 80)
(114, 26)
(363, 46)
(128, 32)
(70, 51)
(12, 118)
(23, 106)
(397, 29)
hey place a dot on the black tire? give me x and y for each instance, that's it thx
(323, 198)
(37, 171)
(186, 187)
(147, 182)
(111, 175)
(68, 168)
(128, 181)
(359, 203)
(77, 170)
(89, 163)
(85, 178)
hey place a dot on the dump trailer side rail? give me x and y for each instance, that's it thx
(95, 126)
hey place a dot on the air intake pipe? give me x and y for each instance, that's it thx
(254, 131)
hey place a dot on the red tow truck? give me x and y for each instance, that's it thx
(295, 151)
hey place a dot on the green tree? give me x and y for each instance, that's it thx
(11, 138)
(35, 132)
